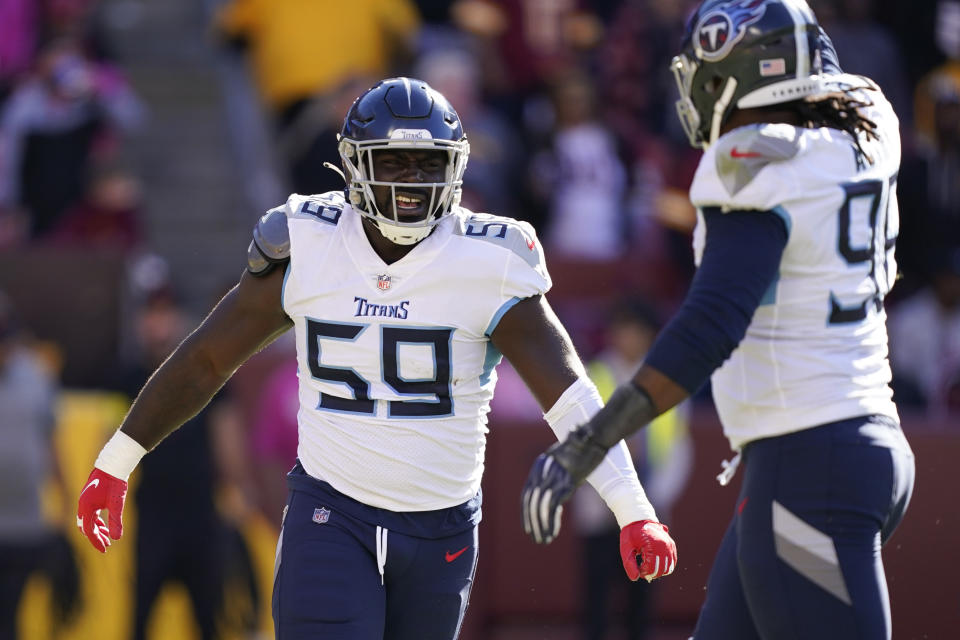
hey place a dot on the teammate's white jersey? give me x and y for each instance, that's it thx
(816, 348)
(395, 363)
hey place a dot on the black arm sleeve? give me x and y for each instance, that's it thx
(740, 262)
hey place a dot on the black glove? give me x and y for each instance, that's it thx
(565, 465)
(553, 477)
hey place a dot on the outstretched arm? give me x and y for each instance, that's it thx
(248, 318)
(740, 261)
(531, 336)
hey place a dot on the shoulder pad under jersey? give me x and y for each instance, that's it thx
(516, 235)
(270, 244)
(744, 152)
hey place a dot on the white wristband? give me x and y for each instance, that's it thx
(575, 406)
(615, 479)
(617, 483)
(120, 456)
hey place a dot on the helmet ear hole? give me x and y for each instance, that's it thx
(712, 86)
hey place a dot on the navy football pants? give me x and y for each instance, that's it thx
(801, 557)
(328, 580)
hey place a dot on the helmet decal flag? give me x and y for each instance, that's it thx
(718, 30)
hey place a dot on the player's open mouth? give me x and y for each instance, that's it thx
(410, 206)
(408, 202)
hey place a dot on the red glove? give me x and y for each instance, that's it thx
(651, 541)
(102, 491)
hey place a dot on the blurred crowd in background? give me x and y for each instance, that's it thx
(569, 109)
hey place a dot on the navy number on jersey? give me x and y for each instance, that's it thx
(438, 386)
(433, 393)
(360, 402)
(323, 210)
(494, 229)
(876, 195)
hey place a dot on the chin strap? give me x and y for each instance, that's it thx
(401, 235)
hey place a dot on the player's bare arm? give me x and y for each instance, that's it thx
(713, 319)
(248, 318)
(535, 342)
(531, 337)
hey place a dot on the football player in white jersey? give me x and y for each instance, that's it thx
(797, 218)
(402, 303)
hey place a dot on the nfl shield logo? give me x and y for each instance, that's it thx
(321, 515)
(383, 282)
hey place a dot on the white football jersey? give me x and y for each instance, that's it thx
(395, 362)
(816, 349)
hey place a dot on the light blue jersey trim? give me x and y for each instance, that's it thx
(785, 216)
(499, 314)
(491, 359)
(770, 295)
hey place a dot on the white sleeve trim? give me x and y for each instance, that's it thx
(616, 478)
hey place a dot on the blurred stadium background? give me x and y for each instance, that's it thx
(182, 133)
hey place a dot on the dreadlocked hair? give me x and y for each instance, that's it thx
(838, 110)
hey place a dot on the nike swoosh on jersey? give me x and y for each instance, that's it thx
(450, 557)
(744, 154)
(93, 483)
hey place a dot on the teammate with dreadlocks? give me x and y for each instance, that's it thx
(797, 219)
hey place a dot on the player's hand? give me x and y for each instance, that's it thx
(651, 541)
(101, 491)
(552, 480)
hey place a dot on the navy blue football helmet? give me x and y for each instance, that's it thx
(402, 113)
(745, 54)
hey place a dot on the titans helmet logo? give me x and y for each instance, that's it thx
(721, 28)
